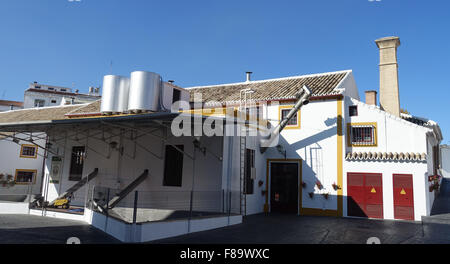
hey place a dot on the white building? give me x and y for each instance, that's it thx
(22, 161)
(337, 156)
(10, 105)
(41, 95)
(445, 160)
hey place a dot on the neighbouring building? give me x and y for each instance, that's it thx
(21, 163)
(445, 160)
(41, 95)
(6, 105)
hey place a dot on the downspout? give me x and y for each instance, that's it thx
(302, 99)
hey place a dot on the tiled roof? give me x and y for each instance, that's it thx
(274, 89)
(93, 107)
(386, 156)
(37, 114)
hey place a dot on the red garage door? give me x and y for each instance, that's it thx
(403, 197)
(365, 195)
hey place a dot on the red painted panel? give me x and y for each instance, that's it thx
(403, 196)
(374, 195)
(365, 195)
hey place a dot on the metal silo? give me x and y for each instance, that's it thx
(111, 85)
(145, 90)
(123, 94)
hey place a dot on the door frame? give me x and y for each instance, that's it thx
(268, 179)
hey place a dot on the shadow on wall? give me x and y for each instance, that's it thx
(317, 189)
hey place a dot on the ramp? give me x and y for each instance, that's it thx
(440, 213)
(119, 197)
(78, 185)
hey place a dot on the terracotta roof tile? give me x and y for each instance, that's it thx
(37, 114)
(284, 88)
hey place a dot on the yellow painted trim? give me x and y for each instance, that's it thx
(282, 107)
(28, 157)
(349, 142)
(340, 158)
(25, 183)
(299, 161)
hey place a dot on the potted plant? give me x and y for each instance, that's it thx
(260, 183)
(319, 185)
(336, 187)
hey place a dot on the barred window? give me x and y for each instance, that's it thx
(363, 135)
(293, 120)
(28, 151)
(25, 176)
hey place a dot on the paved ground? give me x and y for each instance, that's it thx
(280, 229)
(256, 229)
(30, 229)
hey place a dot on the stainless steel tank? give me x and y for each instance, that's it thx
(111, 85)
(123, 94)
(145, 90)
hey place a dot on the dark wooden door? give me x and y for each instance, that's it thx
(284, 188)
(403, 197)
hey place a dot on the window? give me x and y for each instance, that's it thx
(53, 101)
(294, 122)
(176, 95)
(63, 90)
(363, 135)
(39, 103)
(250, 171)
(51, 88)
(25, 176)
(353, 110)
(76, 163)
(294, 119)
(28, 151)
(173, 166)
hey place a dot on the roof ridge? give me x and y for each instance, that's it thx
(271, 80)
(39, 108)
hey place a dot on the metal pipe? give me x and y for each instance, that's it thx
(303, 96)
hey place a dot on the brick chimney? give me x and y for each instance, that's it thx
(389, 95)
(371, 97)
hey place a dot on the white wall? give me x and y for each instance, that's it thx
(10, 161)
(117, 171)
(317, 137)
(388, 169)
(393, 135)
(445, 160)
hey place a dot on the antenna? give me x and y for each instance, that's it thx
(3, 95)
(110, 67)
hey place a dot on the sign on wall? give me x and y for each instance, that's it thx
(55, 173)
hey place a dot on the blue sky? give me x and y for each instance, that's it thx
(202, 42)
